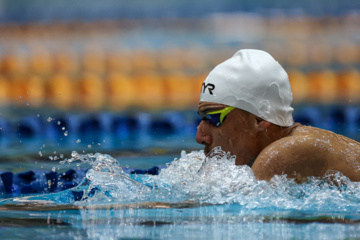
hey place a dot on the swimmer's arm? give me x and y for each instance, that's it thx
(297, 157)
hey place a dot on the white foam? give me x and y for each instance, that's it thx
(211, 179)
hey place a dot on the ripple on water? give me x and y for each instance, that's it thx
(200, 179)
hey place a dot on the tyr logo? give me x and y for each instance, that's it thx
(209, 86)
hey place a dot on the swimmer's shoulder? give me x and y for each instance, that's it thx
(298, 156)
(318, 135)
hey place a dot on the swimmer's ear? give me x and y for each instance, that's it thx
(261, 124)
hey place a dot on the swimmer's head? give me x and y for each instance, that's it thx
(251, 80)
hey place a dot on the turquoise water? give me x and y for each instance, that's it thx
(195, 197)
(212, 222)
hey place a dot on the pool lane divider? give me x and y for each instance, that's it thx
(67, 128)
(83, 125)
(42, 181)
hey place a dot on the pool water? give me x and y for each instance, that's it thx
(194, 197)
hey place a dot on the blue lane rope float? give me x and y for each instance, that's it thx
(122, 125)
(143, 125)
(41, 181)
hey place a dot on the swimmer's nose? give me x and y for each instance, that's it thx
(202, 135)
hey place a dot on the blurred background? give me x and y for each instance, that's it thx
(117, 76)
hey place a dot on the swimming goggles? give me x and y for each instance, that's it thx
(216, 118)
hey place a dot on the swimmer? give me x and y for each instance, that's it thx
(245, 106)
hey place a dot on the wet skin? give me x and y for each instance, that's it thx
(297, 151)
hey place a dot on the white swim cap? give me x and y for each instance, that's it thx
(254, 81)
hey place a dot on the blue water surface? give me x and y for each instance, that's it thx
(194, 197)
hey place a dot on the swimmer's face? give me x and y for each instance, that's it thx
(235, 135)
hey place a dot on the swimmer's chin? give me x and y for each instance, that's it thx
(207, 151)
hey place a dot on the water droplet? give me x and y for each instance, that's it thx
(61, 156)
(54, 169)
(49, 119)
(58, 122)
(63, 128)
(38, 115)
(40, 154)
(65, 133)
(89, 146)
(78, 141)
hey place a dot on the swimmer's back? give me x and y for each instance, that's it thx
(309, 151)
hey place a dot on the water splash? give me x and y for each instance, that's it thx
(211, 179)
(99, 162)
(215, 179)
